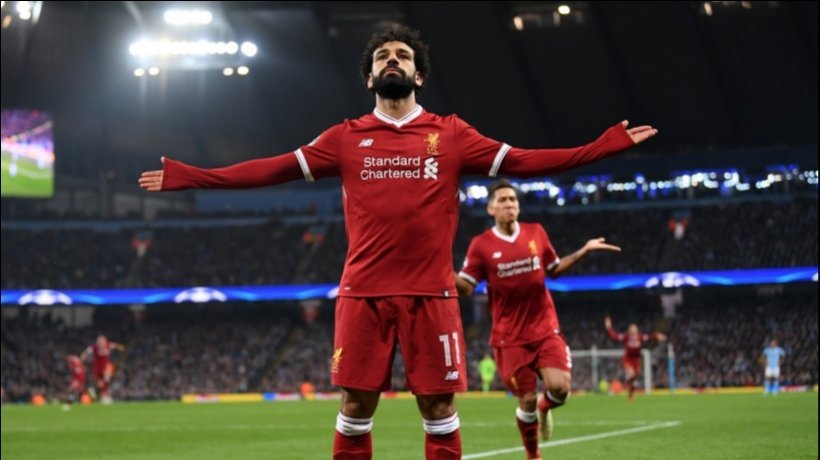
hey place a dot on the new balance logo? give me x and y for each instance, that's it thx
(366, 143)
(497, 255)
(452, 375)
(431, 169)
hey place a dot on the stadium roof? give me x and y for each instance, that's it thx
(743, 74)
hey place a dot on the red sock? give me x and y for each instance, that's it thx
(546, 403)
(529, 434)
(443, 446)
(352, 447)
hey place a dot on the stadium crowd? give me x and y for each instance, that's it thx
(740, 235)
(261, 348)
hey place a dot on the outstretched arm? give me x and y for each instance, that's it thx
(538, 162)
(176, 175)
(567, 262)
(659, 336)
(612, 333)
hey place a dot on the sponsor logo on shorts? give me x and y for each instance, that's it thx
(452, 375)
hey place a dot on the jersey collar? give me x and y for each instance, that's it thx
(415, 113)
(508, 238)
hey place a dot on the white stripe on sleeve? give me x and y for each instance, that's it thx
(499, 157)
(468, 278)
(300, 157)
(554, 264)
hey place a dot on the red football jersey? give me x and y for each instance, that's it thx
(400, 197)
(102, 355)
(515, 269)
(632, 344)
(77, 368)
(400, 189)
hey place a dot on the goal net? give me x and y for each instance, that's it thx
(591, 366)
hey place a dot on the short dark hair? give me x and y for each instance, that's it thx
(398, 33)
(499, 184)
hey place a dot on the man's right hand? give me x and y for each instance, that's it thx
(639, 133)
(152, 180)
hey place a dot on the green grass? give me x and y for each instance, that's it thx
(747, 426)
(30, 181)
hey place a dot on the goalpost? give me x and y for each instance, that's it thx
(606, 363)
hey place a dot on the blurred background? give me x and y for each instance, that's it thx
(93, 93)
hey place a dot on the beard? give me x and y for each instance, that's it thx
(393, 86)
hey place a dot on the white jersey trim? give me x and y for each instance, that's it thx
(508, 238)
(415, 113)
(499, 158)
(468, 278)
(300, 157)
(553, 264)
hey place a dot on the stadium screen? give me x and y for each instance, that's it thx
(27, 154)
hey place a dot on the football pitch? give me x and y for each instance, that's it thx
(746, 426)
(27, 181)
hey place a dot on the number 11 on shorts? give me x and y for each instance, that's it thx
(448, 356)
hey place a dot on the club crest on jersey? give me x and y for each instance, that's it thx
(536, 261)
(432, 144)
(337, 358)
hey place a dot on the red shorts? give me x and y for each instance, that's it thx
(428, 330)
(77, 384)
(103, 369)
(634, 363)
(519, 365)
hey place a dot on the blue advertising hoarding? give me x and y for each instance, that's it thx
(202, 294)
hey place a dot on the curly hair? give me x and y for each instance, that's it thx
(398, 33)
(498, 185)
